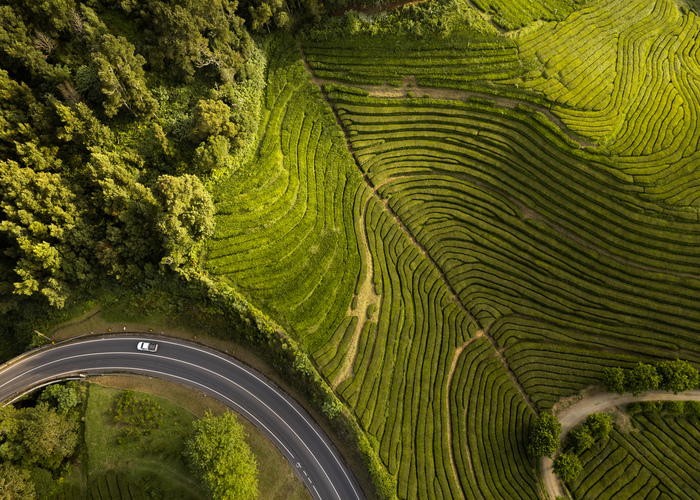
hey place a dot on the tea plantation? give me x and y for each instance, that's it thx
(658, 459)
(455, 266)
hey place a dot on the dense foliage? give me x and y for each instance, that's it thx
(36, 440)
(113, 117)
(675, 376)
(544, 436)
(219, 455)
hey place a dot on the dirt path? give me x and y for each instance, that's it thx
(410, 235)
(365, 297)
(410, 85)
(573, 415)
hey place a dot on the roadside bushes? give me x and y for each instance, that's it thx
(677, 376)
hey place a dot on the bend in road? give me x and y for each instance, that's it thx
(307, 448)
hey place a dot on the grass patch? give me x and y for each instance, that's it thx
(153, 461)
(277, 481)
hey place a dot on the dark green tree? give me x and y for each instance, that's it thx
(219, 455)
(15, 483)
(677, 376)
(121, 75)
(544, 436)
(185, 213)
(614, 379)
(212, 117)
(580, 439)
(567, 466)
(642, 378)
(599, 425)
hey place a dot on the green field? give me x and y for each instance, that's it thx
(657, 459)
(483, 255)
(151, 456)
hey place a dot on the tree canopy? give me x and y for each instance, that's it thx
(219, 455)
(544, 436)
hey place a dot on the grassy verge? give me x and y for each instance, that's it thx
(151, 457)
(276, 478)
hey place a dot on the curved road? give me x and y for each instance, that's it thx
(573, 415)
(287, 424)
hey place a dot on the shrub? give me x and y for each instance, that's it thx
(580, 439)
(599, 425)
(544, 436)
(567, 466)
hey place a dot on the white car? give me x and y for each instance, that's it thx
(147, 346)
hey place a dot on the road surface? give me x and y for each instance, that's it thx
(287, 424)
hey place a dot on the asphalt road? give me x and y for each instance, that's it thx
(286, 423)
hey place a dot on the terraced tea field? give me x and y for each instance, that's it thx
(456, 265)
(658, 459)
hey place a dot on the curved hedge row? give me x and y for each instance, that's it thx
(626, 74)
(540, 240)
(398, 385)
(490, 424)
(455, 63)
(657, 460)
(285, 230)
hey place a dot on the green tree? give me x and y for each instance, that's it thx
(580, 439)
(219, 455)
(15, 483)
(614, 379)
(211, 154)
(212, 117)
(37, 436)
(81, 128)
(17, 48)
(185, 36)
(47, 437)
(16, 103)
(121, 75)
(38, 214)
(642, 378)
(266, 11)
(185, 212)
(544, 436)
(63, 397)
(677, 376)
(127, 239)
(567, 466)
(332, 407)
(599, 424)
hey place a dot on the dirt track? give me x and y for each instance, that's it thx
(573, 415)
